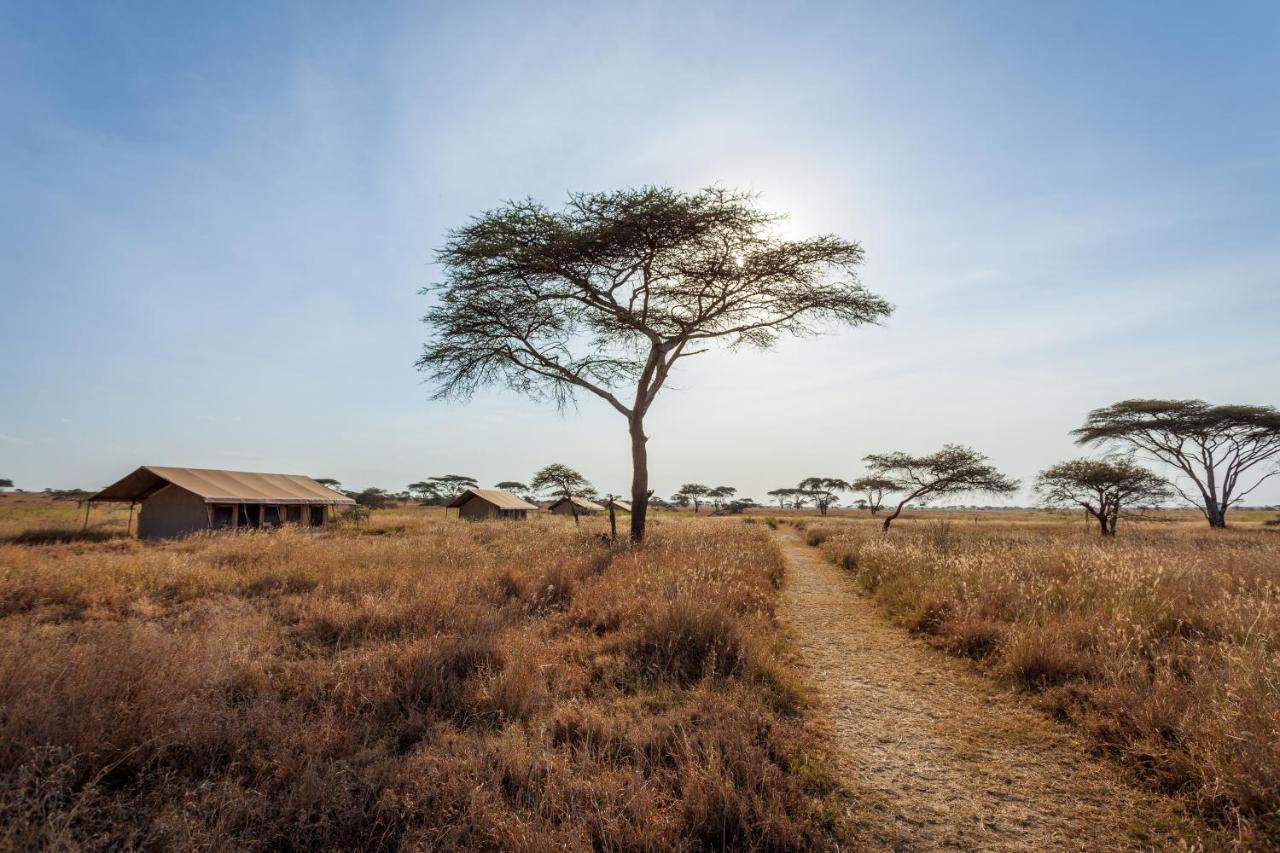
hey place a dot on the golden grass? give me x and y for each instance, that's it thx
(412, 682)
(1164, 644)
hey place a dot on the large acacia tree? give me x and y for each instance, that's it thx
(1225, 451)
(953, 470)
(607, 294)
(1102, 487)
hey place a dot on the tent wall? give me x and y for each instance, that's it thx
(171, 512)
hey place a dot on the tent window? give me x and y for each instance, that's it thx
(293, 514)
(249, 515)
(317, 516)
(271, 516)
(223, 516)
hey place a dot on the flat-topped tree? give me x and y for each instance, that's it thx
(823, 491)
(953, 470)
(561, 481)
(609, 293)
(1102, 487)
(514, 486)
(873, 490)
(695, 492)
(720, 494)
(1225, 451)
(449, 486)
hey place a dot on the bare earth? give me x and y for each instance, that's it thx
(947, 759)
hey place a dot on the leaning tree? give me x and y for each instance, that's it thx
(953, 470)
(1102, 487)
(609, 293)
(1225, 451)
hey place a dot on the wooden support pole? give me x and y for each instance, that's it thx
(128, 525)
(85, 526)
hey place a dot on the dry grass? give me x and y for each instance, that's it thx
(407, 683)
(1164, 644)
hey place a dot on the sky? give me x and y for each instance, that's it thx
(215, 220)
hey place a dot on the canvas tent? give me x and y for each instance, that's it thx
(177, 501)
(484, 504)
(618, 505)
(584, 506)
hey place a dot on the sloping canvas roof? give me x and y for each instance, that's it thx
(618, 503)
(215, 486)
(581, 503)
(500, 499)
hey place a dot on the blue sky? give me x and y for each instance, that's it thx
(214, 223)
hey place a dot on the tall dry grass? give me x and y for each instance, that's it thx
(1165, 643)
(406, 683)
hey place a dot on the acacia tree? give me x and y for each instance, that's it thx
(513, 486)
(1103, 487)
(873, 490)
(424, 492)
(822, 491)
(561, 481)
(609, 293)
(449, 486)
(1226, 451)
(782, 495)
(695, 492)
(329, 483)
(720, 494)
(953, 470)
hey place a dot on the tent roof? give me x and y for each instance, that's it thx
(222, 487)
(618, 503)
(500, 499)
(581, 503)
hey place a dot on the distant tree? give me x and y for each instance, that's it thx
(425, 492)
(781, 495)
(514, 486)
(608, 294)
(1225, 451)
(737, 506)
(449, 486)
(680, 499)
(695, 492)
(329, 482)
(873, 490)
(823, 491)
(1103, 487)
(561, 481)
(720, 494)
(371, 498)
(953, 470)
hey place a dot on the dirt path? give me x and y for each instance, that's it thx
(946, 758)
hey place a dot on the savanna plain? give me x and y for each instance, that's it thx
(412, 681)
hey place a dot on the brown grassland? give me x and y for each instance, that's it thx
(1164, 644)
(408, 683)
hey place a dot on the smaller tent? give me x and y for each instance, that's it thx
(485, 504)
(618, 505)
(584, 506)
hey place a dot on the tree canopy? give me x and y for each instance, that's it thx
(607, 294)
(1225, 451)
(561, 481)
(1102, 487)
(694, 493)
(823, 491)
(873, 490)
(953, 470)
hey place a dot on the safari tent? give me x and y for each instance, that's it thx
(485, 504)
(177, 501)
(618, 505)
(585, 507)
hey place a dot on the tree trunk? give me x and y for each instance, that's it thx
(639, 478)
(613, 521)
(888, 519)
(1217, 515)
